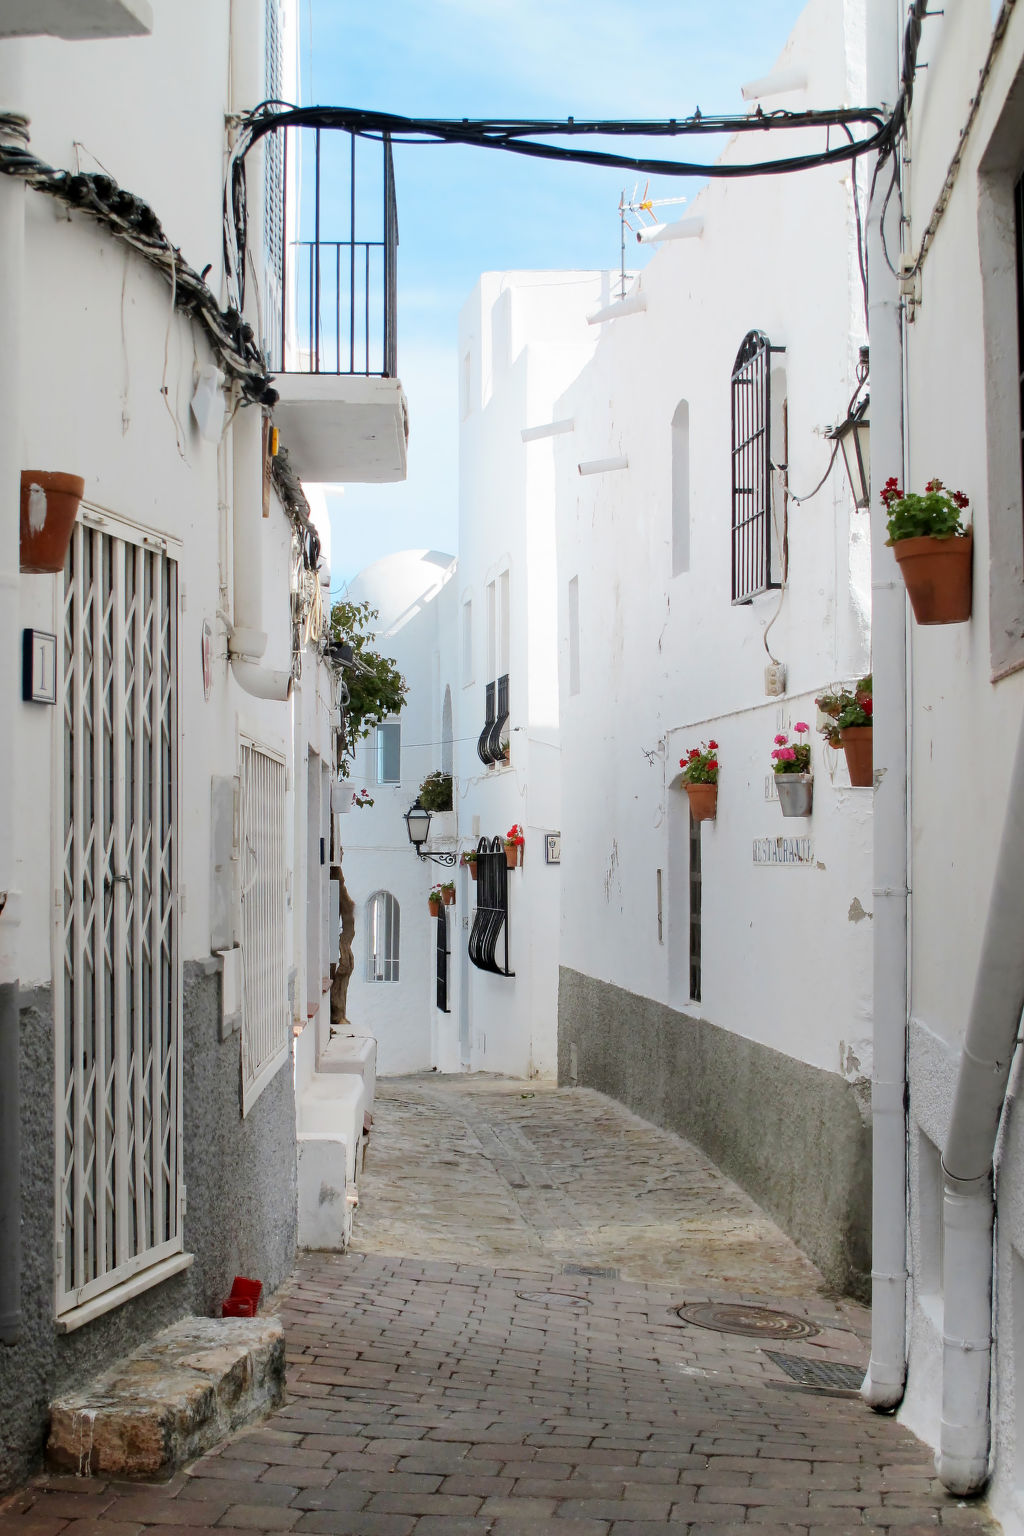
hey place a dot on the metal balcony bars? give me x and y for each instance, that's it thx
(490, 924)
(352, 282)
(441, 961)
(752, 468)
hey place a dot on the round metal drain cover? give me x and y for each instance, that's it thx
(750, 1321)
(554, 1298)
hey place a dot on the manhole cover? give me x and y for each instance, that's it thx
(590, 1269)
(819, 1373)
(750, 1321)
(554, 1298)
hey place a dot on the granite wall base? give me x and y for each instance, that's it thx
(796, 1138)
(240, 1219)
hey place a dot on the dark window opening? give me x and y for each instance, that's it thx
(694, 910)
(442, 960)
(752, 468)
(490, 924)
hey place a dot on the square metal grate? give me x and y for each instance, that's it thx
(818, 1373)
(590, 1269)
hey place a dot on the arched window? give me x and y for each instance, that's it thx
(447, 735)
(681, 488)
(382, 930)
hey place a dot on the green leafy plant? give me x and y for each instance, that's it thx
(792, 757)
(436, 791)
(845, 707)
(936, 513)
(700, 765)
(447, 885)
(377, 690)
(469, 857)
(361, 798)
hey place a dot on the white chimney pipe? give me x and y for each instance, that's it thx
(681, 229)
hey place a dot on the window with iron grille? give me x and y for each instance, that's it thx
(752, 468)
(488, 940)
(383, 921)
(495, 731)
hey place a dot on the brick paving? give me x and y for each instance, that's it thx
(449, 1377)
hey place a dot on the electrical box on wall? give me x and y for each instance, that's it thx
(775, 679)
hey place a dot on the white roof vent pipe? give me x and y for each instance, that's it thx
(682, 229)
(779, 83)
(247, 639)
(633, 304)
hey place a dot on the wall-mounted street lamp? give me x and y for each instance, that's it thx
(417, 822)
(854, 437)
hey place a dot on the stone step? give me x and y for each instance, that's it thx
(171, 1400)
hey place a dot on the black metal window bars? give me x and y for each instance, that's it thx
(441, 952)
(344, 300)
(488, 747)
(490, 924)
(752, 468)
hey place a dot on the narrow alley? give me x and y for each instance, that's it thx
(500, 1351)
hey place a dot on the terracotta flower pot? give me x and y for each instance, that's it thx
(472, 869)
(448, 897)
(512, 855)
(434, 904)
(937, 573)
(49, 505)
(857, 743)
(796, 793)
(703, 800)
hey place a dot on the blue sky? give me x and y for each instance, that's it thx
(463, 211)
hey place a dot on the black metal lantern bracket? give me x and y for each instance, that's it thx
(417, 824)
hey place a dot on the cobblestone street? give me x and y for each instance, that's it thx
(500, 1353)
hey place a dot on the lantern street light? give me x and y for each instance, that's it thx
(854, 438)
(417, 822)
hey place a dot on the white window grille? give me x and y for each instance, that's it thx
(383, 921)
(265, 1020)
(118, 1008)
(389, 753)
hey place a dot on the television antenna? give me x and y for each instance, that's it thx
(639, 207)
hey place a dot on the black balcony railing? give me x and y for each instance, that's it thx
(339, 294)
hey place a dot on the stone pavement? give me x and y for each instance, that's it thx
(460, 1373)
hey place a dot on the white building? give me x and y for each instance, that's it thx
(166, 839)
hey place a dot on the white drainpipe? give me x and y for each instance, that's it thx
(884, 1383)
(967, 1213)
(247, 638)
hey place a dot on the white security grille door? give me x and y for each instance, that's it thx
(118, 1012)
(263, 875)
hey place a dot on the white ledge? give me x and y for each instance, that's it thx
(633, 304)
(549, 429)
(602, 466)
(776, 84)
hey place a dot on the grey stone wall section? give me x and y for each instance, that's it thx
(796, 1138)
(240, 1174)
(241, 1215)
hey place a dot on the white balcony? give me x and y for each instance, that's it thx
(343, 428)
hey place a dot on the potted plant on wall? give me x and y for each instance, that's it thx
(700, 780)
(848, 716)
(514, 843)
(49, 506)
(933, 550)
(794, 780)
(448, 892)
(434, 901)
(469, 860)
(436, 791)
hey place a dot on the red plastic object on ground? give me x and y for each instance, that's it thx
(244, 1298)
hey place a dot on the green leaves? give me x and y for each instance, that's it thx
(377, 690)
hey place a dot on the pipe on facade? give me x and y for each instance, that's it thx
(884, 1383)
(968, 1208)
(13, 129)
(247, 638)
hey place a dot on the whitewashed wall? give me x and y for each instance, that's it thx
(966, 686)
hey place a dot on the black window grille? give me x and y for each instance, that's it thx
(694, 910)
(488, 747)
(489, 934)
(442, 960)
(1018, 208)
(752, 468)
